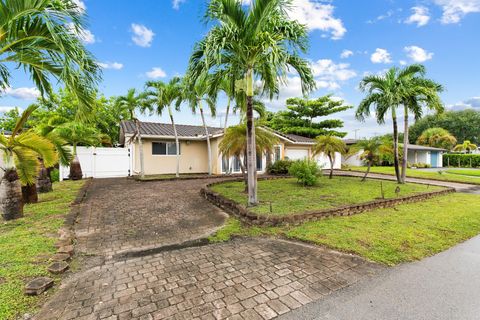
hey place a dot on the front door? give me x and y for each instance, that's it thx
(434, 159)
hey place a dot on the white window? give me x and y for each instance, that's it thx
(164, 148)
(278, 153)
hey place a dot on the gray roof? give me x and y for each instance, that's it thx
(423, 148)
(293, 137)
(166, 129)
(350, 141)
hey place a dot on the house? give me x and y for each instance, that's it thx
(416, 155)
(159, 149)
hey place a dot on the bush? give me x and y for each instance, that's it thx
(55, 175)
(306, 172)
(420, 165)
(461, 160)
(279, 167)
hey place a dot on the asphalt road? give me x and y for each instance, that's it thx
(445, 286)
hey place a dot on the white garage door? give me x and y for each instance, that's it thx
(296, 154)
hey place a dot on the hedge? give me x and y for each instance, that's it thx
(461, 160)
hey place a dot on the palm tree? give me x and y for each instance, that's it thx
(329, 145)
(163, 95)
(21, 151)
(466, 147)
(234, 144)
(131, 102)
(371, 151)
(437, 138)
(196, 91)
(35, 39)
(258, 42)
(77, 133)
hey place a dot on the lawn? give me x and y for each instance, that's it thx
(415, 173)
(26, 245)
(464, 172)
(390, 236)
(288, 197)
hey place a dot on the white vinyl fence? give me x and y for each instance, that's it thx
(101, 163)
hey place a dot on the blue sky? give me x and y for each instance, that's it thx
(152, 39)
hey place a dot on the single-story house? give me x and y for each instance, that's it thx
(416, 155)
(159, 149)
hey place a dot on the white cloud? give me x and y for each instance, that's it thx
(85, 35)
(142, 36)
(420, 16)
(80, 4)
(346, 54)
(6, 108)
(176, 4)
(455, 10)
(403, 62)
(467, 104)
(418, 54)
(111, 65)
(156, 73)
(381, 56)
(327, 70)
(22, 93)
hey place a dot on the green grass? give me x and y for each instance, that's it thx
(288, 197)
(415, 173)
(26, 245)
(389, 236)
(464, 172)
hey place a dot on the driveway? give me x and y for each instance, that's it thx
(129, 229)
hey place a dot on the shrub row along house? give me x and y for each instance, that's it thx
(159, 149)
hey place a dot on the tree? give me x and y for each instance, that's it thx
(437, 138)
(35, 38)
(234, 144)
(77, 133)
(371, 151)
(131, 102)
(466, 147)
(9, 119)
(163, 95)
(196, 91)
(301, 113)
(260, 43)
(329, 145)
(21, 151)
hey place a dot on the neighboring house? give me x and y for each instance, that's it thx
(159, 149)
(416, 155)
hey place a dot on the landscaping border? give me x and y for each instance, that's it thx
(252, 218)
(192, 177)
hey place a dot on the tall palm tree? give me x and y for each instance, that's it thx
(466, 147)
(131, 102)
(34, 37)
(21, 151)
(163, 95)
(329, 145)
(261, 43)
(437, 138)
(196, 91)
(371, 151)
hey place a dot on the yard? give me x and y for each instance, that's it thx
(286, 196)
(26, 245)
(443, 174)
(465, 172)
(390, 236)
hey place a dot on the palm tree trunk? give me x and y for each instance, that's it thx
(75, 167)
(209, 148)
(395, 146)
(405, 147)
(140, 146)
(177, 144)
(226, 114)
(331, 166)
(242, 168)
(44, 182)
(29, 193)
(368, 171)
(251, 152)
(11, 202)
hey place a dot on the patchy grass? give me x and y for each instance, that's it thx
(26, 245)
(464, 172)
(440, 174)
(288, 197)
(389, 236)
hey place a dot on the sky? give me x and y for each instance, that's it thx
(136, 41)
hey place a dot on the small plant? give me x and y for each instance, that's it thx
(279, 167)
(306, 172)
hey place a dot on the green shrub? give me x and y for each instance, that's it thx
(420, 165)
(306, 171)
(279, 167)
(55, 175)
(461, 160)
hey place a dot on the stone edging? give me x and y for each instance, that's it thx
(193, 177)
(265, 220)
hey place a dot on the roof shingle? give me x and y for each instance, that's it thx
(166, 129)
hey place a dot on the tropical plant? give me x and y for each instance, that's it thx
(21, 151)
(131, 102)
(306, 171)
(196, 92)
(78, 133)
(329, 146)
(466, 147)
(371, 151)
(437, 138)
(260, 42)
(163, 95)
(234, 144)
(279, 167)
(34, 37)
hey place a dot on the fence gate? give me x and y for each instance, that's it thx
(101, 163)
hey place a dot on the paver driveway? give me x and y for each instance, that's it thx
(242, 279)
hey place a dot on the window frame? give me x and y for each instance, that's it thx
(167, 143)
